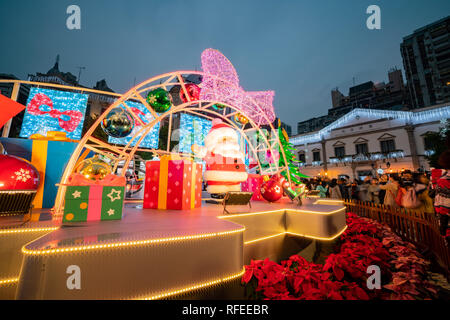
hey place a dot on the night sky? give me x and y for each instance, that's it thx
(300, 49)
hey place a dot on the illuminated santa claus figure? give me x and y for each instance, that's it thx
(225, 168)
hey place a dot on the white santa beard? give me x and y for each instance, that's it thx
(223, 188)
(225, 176)
(218, 135)
(227, 150)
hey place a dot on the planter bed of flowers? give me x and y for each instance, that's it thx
(344, 275)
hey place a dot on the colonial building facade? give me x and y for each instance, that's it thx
(365, 141)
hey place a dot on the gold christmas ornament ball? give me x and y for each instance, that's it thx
(240, 119)
(93, 169)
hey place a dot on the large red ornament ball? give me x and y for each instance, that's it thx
(193, 91)
(272, 190)
(17, 174)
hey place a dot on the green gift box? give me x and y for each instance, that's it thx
(93, 203)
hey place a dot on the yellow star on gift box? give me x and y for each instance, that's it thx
(112, 197)
(76, 194)
(152, 99)
(110, 212)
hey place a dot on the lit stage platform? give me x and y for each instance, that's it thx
(14, 234)
(153, 254)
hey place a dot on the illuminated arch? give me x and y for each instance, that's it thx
(197, 107)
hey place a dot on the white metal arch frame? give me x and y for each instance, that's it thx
(137, 93)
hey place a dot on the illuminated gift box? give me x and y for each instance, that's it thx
(173, 183)
(253, 184)
(88, 200)
(50, 155)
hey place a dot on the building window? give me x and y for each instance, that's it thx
(362, 148)
(428, 143)
(316, 156)
(301, 157)
(339, 152)
(387, 146)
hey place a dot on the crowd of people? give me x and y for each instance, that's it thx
(426, 192)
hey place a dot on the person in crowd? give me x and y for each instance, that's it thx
(307, 183)
(391, 189)
(384, 178)
(422, 192)
(334, 191)
(323, 189)
(442, 198)
(407, 179)
(362, 192)
(344, 187)
(373, 191)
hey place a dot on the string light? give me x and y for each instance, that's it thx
(250, 214)
(241, 215)
(10, 281)
(328, 201)
(318, 238)
(221, 83)
(196, 287)
(408, 116)
(128, 243)
(297, 235)
(264, 238)
(23, 230)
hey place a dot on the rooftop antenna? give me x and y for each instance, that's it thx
(353, 81)
(79, 72)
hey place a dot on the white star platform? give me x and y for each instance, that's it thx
(157, 254)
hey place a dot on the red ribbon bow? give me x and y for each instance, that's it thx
(41, 99)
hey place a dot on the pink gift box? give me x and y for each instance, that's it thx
(253, 184)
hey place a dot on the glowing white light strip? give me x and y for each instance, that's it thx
(250, 214)
(264, 238)
(327, 201)
(128, 243)
(413, 117)
(22, 230)
(242, 215)
(195, 287)
(10, 281)
(317, 238)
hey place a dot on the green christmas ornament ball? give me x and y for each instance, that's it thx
(159, 100)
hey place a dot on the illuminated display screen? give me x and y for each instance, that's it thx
(245, 149)
(193, 129)
(151, 139)
(52, 110)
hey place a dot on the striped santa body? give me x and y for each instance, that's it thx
(225, 168)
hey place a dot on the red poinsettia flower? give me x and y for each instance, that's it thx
(343, 275)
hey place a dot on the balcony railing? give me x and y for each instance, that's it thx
(395, 154)
(367, 157)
